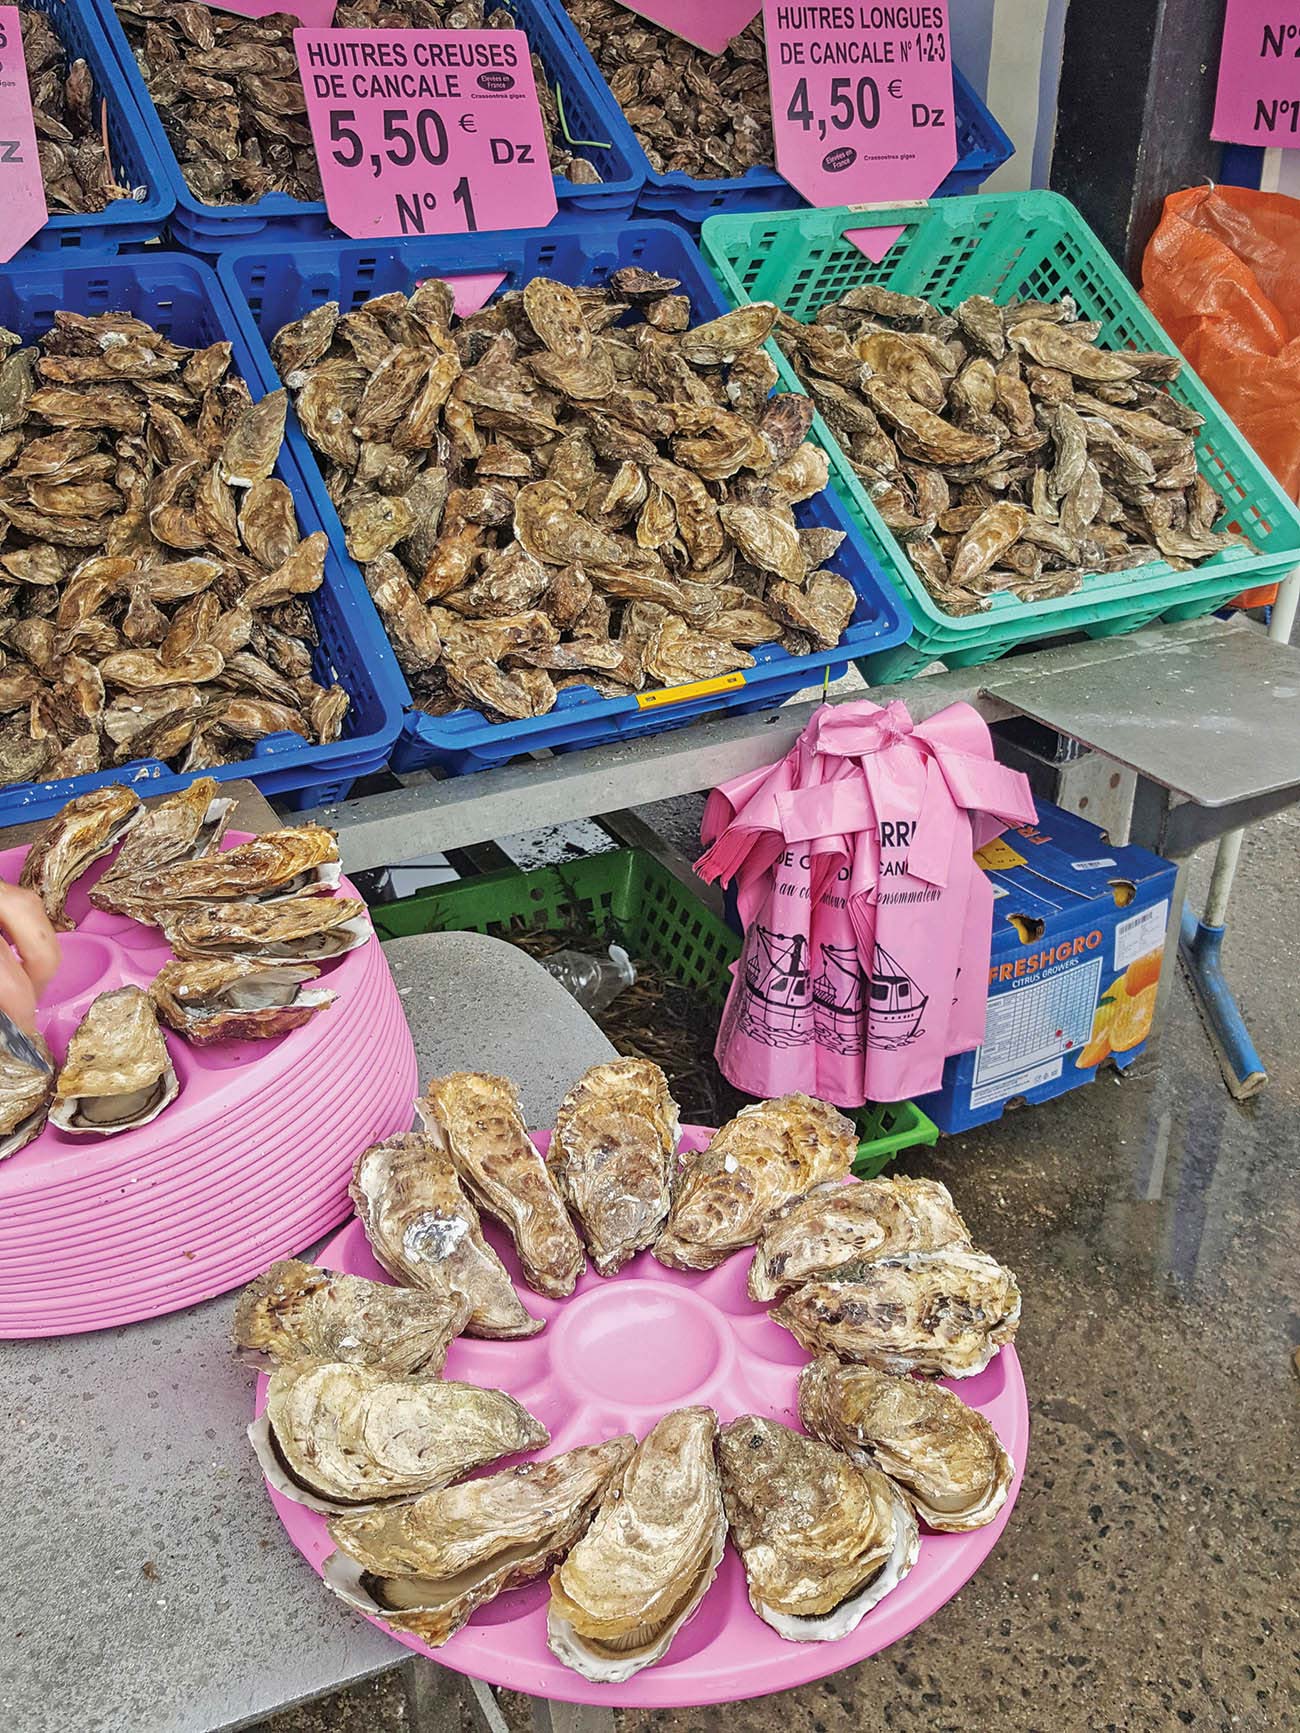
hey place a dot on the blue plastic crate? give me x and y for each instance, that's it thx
(982, 147)
(183, 299)
(268, 289)
(136, 161)
(590, 114)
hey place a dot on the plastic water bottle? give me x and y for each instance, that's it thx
(593, 981)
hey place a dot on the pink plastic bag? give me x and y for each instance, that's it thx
(867, 923)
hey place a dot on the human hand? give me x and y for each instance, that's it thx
(29, 959)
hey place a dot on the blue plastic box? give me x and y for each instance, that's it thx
(268, 289)
(1072, 916)
(590, 112)
(182, 298)
(125, 222)
(982, 147)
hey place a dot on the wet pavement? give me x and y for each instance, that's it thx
(1147, 1580)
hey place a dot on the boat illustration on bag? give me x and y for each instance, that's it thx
(897, 1004)
(840, 999)
(778, 988)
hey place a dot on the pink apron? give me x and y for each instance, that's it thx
(867, 923)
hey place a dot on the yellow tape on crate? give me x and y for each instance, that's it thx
(682, 694)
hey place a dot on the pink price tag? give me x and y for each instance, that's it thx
(1258, 99)
(709, 26)
(317, 13)
(426, 132)
(862, 104)
(22, 191)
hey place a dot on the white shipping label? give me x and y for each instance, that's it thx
(1141, 934)
(1030, 1026)
(1088, 866)
(1020, 1084)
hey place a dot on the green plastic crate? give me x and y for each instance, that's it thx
(629, 895)
(1008, 246)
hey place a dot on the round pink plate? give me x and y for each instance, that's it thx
(613, 1358)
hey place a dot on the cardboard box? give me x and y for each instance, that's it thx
(1078, 936)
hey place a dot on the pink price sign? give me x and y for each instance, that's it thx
(1258, 99)
(709, 26)
(317, 13)
(862, 104)
(22, 192)
(426, 132)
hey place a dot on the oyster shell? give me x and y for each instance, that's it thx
(26, 1084)
(822, 1538)
(476, 1120)
(86, 829)
(283, 863)
(613, 1153)
(335, 1435)
(426, 1564)
(425, 1232)
(117, 1074)
(766, 1156)
(819, 1235)
(944, 1313)
(185, 826)
(647, 1561)
(301, 929)
(946, 1455)
(297, 1312)
(236, 998)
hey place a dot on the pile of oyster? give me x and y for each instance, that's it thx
(1003, 447)
(571, 487)
(248, 926)
(229, 96)
(360, 1425)
(706, 115)
(71, 123)
(153, 582)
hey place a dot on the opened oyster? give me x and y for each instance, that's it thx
(946, 1455)
(236, 998)
(283, 863)
(613, 1153)
(647, 1560)
(298, 1312)
(117, 1074)
(426, 1564)
(86, 829)
(767, 1155)
(476, 1120)
(425, 1232)
(945, 1313)
(823, 1539)
(334, 1434)
(185, 826)
(26, 1084)
(819, 1235)
(301, 929)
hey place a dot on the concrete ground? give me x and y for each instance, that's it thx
(1147, 1581)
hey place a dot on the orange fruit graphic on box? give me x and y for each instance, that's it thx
(1143, 973)
(1098, 1047)
(1132, 1019)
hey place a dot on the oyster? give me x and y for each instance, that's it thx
(426, 1564)
(86, 829)
(185, 826)
(813, 1238)
(425, 1232)
(297, 1312)
(335, 1434)
(301, 929)
(26, 1084)
(945, 1313)
(946, 1455)
(766, 1156)
(236, 998)
(283, 863)
(613, 1153)
(823, 1539)
(647, 1561)
(476, 1120)
(117, 1074)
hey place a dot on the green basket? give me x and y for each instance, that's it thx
(1008, 246)
(629, 895)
